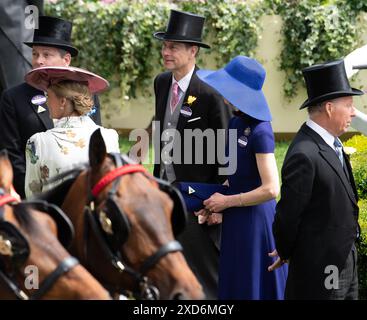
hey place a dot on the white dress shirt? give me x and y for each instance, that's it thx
(323, 133)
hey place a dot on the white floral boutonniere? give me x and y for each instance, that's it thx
(349, 150)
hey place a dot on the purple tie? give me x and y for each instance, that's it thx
(174, 97)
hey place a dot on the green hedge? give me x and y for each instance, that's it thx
(116, 39)
(358, 161)
(314, 31)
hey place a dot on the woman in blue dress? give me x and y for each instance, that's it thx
(249, 206)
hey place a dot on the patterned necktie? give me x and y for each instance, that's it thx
(339, 150)
(174, 97)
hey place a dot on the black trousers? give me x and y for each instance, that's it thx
(201, 250)
(348, 279)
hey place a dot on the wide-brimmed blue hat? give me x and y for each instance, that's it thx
(240, 82)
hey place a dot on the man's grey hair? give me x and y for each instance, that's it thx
(317, 107)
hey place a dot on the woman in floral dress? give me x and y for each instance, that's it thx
(69, 99)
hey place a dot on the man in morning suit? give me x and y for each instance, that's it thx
(184, 102)
(23, 109)
(316, 221)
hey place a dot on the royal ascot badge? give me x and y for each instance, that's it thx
(186, 108)
(186, 111)
(242, 141)
(247, 131)
(38, 100)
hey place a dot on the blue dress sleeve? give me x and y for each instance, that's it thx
(263, 138)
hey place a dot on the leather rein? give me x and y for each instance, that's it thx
(143, 289)
(65, 265)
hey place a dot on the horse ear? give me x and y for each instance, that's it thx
(4, 157)
(6, 170)
(4, 154)
(97, 149)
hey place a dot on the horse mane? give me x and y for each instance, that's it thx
(23, 216)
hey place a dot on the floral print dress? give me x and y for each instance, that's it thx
(60, 149)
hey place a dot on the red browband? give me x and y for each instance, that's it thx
(7, 198)
(107, 179)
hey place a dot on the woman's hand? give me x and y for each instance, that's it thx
(214, 218)
(202, 215)
(278, 263)
(210, 218)
(216, 203)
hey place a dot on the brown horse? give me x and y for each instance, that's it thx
(123, 231)
(28, 241)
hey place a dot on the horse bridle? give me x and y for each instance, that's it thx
(101, 225)
(6, 251)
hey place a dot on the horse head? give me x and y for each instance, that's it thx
(130, 218)
(33, 263)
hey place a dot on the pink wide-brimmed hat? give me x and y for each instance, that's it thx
(41, 78)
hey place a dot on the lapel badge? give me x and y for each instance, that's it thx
(40, 109)
(242, 141)
(247, 131)
(186, 111)
(38, 100)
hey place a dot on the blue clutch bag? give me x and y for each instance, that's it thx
(194, 193)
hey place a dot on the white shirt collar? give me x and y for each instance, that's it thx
(323, 133)
(185, 81)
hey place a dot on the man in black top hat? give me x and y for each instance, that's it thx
(184, 102)
(316, 221)
(23, 109)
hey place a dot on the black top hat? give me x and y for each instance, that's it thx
(327, 81)
(53, 32)
(183, 27)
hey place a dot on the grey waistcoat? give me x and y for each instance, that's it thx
(170, 122)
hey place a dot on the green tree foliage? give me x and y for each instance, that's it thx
(314, 31)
